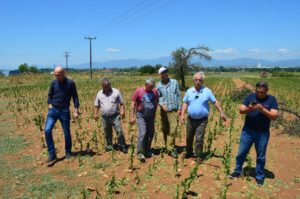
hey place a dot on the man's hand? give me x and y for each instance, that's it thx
(182, 119)
(258, 107)
(96, 117)
(132, 120)
(223, 116)
(179, 112)
(76, 114)
(164, 108)
(122, 114)
(50, 106)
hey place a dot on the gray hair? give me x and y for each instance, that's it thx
(150, 80)
(199, 73)
(105, 80)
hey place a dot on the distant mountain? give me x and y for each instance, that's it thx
(125, 63)
(241, 62)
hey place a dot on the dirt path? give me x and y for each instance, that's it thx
(240, 83)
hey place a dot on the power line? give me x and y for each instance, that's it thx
(123, 18)
(136, 18)
(123, 14)
(67, 56)
(91, 68)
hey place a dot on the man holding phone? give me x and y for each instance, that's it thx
(260, 108)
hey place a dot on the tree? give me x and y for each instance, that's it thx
(147, 69)
(24, 68)
(33, 69)
(182, 58)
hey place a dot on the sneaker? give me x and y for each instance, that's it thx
(149, 154)
(235, 175)
(68, 156)
(123, 149)
(108, 148)
(188, 155)
(51, 159)
(174, 154)
(259, 183)
(141, 157)
(199, 160)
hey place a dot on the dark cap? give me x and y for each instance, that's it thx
(262, 84)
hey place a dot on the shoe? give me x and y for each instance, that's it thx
(123, 149)
(174, 154)
(259, 183)
(235, 175)
(68, 156)
(199, 160)
(108, 148)
(149, 154)
(141, 157)
(51, 159)
(188, 155)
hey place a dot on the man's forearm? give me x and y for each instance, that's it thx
(122, 108)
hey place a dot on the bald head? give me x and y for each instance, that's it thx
(59, 73)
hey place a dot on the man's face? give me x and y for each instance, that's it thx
(163, 75)
(106, 87)
(59, 75)
(149, 87)
(261, 92)
(198, 80)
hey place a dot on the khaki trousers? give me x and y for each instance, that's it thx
(169, 128)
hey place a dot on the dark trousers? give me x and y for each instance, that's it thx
(115, 122)
(195, 128)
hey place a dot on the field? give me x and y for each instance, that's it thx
(93, 173)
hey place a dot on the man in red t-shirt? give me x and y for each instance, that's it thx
(144, 105)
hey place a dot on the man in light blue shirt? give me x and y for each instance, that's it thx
(196, 102)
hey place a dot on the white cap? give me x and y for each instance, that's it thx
(162, 69)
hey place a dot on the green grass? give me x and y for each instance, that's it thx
(49, 187)
(12, 144)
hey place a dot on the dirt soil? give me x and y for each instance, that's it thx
(89, 172)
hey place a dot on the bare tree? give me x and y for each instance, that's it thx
(182, 58)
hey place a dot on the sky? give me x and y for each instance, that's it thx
(38, 32)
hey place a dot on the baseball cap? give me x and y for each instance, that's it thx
(162, 70)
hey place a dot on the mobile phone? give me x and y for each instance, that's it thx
(253, 103)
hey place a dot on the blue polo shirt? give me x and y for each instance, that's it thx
(197, 102)
(256, 120)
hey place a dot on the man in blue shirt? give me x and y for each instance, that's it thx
(196, 102)
(260, 108)
(170, 104)
(60, 93)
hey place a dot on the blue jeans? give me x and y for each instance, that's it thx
(260, 140)
(63, 115)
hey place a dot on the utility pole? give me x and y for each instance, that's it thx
(91, 69)
(67, 56)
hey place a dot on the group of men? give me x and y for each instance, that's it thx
(259, 107)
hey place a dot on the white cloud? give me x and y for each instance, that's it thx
(283, 50)
(225, 51)
(254, 50)
(113, 50)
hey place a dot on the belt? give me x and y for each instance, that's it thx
(59, 107)
(108, 116)
(204, 118)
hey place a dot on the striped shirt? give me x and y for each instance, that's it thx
(169, 94)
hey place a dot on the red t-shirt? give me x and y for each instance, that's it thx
(140, 95)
